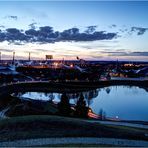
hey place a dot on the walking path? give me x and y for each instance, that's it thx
(130, 79)
(120, 124)
(75, 140)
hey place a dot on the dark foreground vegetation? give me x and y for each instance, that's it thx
(43, 126)
(14, 106)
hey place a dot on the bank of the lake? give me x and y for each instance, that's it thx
(65, 86)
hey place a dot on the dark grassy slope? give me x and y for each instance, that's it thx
(53, 126)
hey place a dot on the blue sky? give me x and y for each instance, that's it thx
(118, 30)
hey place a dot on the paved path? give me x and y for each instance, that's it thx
(131, 79)
(77, 140)
(119, 124)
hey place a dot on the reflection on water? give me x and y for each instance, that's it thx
(40, 96)
(56, 97)
(123, 102)
(115, 102)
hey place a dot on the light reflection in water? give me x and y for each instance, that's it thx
(124, 102)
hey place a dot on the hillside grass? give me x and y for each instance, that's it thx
(45, 126)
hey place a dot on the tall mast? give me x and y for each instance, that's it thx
(29, 56)
(13, 57)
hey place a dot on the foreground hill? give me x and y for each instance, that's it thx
(44, 126)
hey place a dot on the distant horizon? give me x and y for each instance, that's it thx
(52, 60)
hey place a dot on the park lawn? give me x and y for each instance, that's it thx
(46, 126)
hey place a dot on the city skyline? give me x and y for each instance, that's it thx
(90, 30)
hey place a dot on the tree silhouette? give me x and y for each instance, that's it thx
(81, 109)
(64, 106)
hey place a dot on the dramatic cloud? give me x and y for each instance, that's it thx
(74, 35)
(139, 30)
(14, 35)
(2, 36)
(46, 34)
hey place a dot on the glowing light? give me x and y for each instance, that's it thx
(55, 64)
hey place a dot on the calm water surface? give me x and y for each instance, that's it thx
(123, 102)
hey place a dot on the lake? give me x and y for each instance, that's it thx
(123, 102)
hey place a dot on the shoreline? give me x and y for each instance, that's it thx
(59, 86)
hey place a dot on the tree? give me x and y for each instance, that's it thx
(64, 105)
(81, 109)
